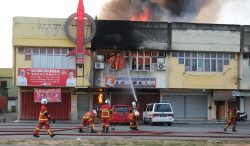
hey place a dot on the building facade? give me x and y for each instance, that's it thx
(43, 68)
(204, 64)
(195, 67)
(243, 93)
(130, 63)
(6, 81)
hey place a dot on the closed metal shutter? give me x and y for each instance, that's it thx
(29, 110)
(83, 101)
(247, 107)
(187, 106)
(177, 103)
(196, 107)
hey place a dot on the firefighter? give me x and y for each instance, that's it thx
(133, 120)
(105, 116)
(88, 119)
(134, 107)
(44, 119)
(231, 119)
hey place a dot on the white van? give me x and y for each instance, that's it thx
(158, 113)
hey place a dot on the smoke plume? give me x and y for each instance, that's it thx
(161, 10)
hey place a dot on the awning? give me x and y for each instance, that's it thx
(240, 93)
(223, 95)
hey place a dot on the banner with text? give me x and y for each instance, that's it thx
(52, 95)
(46, 77)
(126, 82)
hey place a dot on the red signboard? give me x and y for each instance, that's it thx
(46, 77)
(127, 82)
(52, 95)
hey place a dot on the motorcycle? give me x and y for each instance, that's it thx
(242, 116)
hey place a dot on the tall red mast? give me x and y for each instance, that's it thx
(80, 48)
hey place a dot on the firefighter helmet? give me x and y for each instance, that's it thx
(44, 101)
(136, 113)
(94, 111)
(133, 104)
(107, 101)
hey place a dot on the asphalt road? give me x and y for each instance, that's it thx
(193, 131)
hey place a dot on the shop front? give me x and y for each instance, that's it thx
(188, 104)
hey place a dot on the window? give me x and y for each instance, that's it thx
(204, 61)
(137, 60)
(162, 108)
(121, 109)
(141, 60)
(4, 84)
(50, 58)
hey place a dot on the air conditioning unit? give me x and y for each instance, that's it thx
(99, 65)
(161, 66)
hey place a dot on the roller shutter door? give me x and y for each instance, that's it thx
(196, 107)
(188, 106)
(177, 103)
(247, 106)
(29, 110)
(83, 101)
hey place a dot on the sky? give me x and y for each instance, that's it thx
(231, 12)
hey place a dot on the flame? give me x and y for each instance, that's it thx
(144, 16)
(100, 98)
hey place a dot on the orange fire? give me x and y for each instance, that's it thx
(100, 98)
(144, 16)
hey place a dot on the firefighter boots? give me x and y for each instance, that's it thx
(80, 130)
(107, 130)
(93, 131)
(35, 135)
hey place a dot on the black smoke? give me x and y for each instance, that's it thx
(160, 10)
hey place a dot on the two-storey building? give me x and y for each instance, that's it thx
(43, 68)
(130, 61)
(203, 69)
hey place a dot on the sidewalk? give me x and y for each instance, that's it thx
(9, 117)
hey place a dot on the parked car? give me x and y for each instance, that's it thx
(158, 113)
(119, 114)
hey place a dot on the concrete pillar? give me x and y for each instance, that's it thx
(73, 107)
(242, 104)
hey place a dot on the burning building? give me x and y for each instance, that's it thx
(131, 54)
(136, 56)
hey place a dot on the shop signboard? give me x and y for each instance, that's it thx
(46, 77)
(51, 94)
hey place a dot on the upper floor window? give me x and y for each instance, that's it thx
(49, 58)
(3, 84)
(143, 60)
(203, 61)
(140, 60)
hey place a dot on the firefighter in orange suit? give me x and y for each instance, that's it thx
(134, 107)
(133, 120)
(231, 119)
(105, 116)
(43, 120)
(88, 119)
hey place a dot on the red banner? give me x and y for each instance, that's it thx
(52, 95)
(46, 77)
